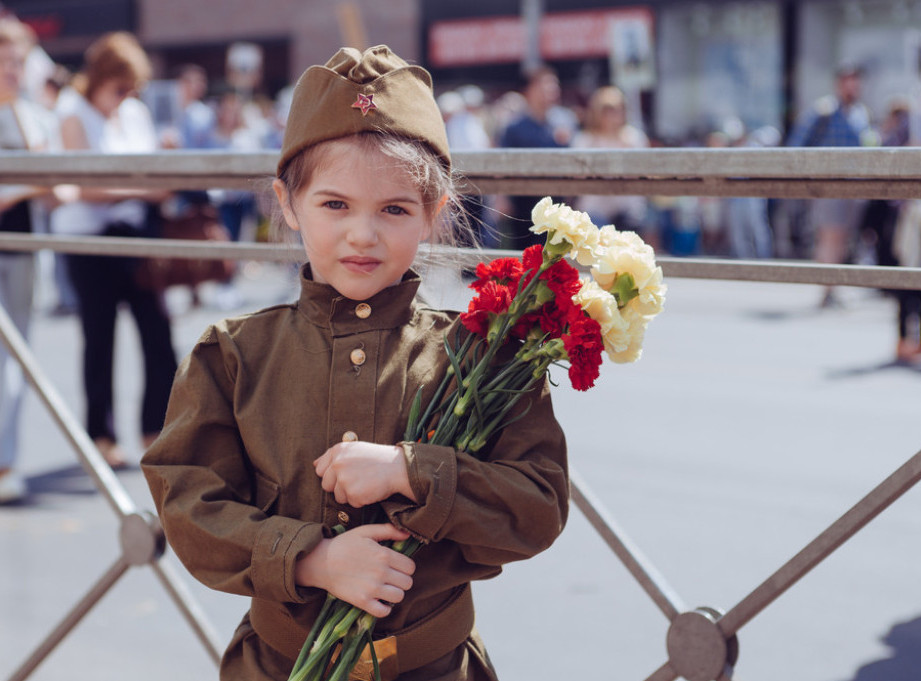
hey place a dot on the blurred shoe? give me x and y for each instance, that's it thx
(112, 452)
(907, 351)
(12, 487)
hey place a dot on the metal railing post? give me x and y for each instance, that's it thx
(141, 537)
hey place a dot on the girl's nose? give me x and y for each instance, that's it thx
(362, 231)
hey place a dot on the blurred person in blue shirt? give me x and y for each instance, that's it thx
(837, 120)
(543, 124)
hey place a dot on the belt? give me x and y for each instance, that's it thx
(419, 644)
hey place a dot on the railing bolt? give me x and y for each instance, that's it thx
(698, 650)
(142, 539)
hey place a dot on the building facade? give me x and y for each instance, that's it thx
(688, 65)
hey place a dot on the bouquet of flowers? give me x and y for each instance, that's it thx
(540, 300)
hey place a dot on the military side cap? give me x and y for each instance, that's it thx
(356, 92)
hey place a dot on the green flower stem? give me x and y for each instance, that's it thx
(352, 645)
(311, 637)
(333, 631)
(498, 422)
(323, 627)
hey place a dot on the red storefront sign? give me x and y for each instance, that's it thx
(563, 35)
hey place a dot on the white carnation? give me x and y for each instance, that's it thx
(565, 224)
(600, 306)
(625, 344)
(626, 253)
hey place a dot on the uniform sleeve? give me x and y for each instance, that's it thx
(216, 513)
(510, 506)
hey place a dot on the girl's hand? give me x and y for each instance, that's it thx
(355, 568)
(362, 473)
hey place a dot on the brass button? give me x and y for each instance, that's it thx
(349, 436)
(357, 356)
(362, 310)
(343, 517)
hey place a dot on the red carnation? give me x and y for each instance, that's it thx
(584, 346)
(493, 298)
(505, 271)
(563, 279)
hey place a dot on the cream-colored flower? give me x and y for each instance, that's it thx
(565, 224)
(624, 344)
(600, 306)
(625, 252)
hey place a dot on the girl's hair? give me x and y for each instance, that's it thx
(434, 181)
(114, 56)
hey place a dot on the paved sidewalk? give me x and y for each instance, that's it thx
(752, 422)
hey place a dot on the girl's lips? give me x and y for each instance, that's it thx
(361, 265)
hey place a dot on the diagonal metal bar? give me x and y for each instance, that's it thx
(189, 608)
(822, 546)
(72, 619)
(663, 673)
(89, 456)
(651, 581)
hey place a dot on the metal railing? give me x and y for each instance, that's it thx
(701, 643)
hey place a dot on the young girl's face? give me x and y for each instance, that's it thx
(361, 219)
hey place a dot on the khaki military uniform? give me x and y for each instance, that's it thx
(264, 395)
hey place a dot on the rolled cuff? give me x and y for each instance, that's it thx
(279, 544)
(432, 473)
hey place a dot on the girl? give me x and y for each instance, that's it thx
(287, 422)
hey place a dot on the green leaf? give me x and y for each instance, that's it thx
(624, 289)
(412, 424)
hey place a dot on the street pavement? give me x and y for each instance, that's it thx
(752, 422)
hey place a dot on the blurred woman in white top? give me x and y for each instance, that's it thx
(606, 127)
(101, 113)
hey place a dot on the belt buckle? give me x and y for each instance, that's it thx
(386, 651)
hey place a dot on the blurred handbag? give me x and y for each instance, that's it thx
(198, 222)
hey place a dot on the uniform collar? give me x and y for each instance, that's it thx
(325, 307)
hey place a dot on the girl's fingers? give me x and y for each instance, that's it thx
(392, 594)
(377, 609)
(382, 532)
(403, 564)
(401, 581)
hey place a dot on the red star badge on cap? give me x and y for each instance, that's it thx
(365, 103)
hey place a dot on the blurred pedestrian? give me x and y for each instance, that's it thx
(101, 113)
(606, 127)
(895, 227)
(907, 252)
(197, 119)
(536, 127)
(749, 228)
(233, 132)
(24, 126)
(713, 210)
(838, 120)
